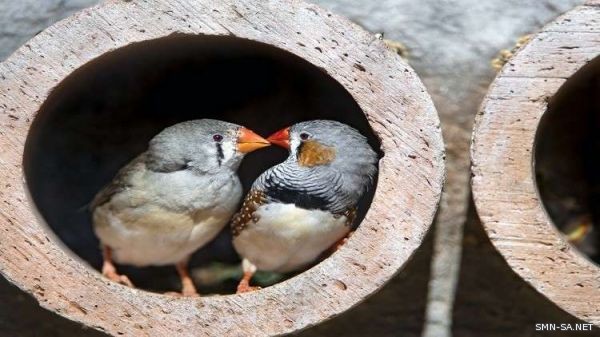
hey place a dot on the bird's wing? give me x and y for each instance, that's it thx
(121, 181)
(252, 202)
(307, 189)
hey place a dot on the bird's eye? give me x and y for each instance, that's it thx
(217, 137)
(304, 136)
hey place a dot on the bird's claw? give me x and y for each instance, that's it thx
(121, 279)
(246, 289)
(125, 281)
(182, 294)
(340, 243)
(189, 293)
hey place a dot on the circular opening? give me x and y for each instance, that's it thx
(567, 159)
(104, 114)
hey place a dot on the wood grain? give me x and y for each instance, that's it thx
(502, 155)
(391, 95)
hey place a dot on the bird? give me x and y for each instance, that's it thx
(173, 198)
(303, 207)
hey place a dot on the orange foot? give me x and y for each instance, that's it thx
(244, 285)
(340, 243)
(109, 270)
(188, 289)
(181, 294)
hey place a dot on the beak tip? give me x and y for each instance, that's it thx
(249, 141)
(281, 138)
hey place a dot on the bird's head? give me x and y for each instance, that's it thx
(327, 143)
(202, 145)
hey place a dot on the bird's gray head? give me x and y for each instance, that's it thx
(202, 145)
(325, 143)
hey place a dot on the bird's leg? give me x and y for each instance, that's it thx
(187, 285)
(109, 270)
(244, 285)
(343, 241)
(339, 243)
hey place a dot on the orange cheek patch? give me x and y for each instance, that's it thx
(313, 153)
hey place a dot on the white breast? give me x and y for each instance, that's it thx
(167, 222)
(287, 238)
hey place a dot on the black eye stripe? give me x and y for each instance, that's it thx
(220, 155)
(299, 150)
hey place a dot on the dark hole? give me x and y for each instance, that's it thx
(104, 114)
(567, 159)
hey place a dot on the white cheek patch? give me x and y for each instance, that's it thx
(231, 156)
(294, 143)
(229, 150)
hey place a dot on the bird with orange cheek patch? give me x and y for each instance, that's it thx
(300, 208)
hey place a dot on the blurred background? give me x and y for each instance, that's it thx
(456, 284)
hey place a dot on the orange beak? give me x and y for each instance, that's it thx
(281, 138)
(249, 141)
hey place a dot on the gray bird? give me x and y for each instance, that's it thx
(300, 208)
(174, 198)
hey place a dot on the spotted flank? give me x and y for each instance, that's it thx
(248, 213)
(254, 199)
